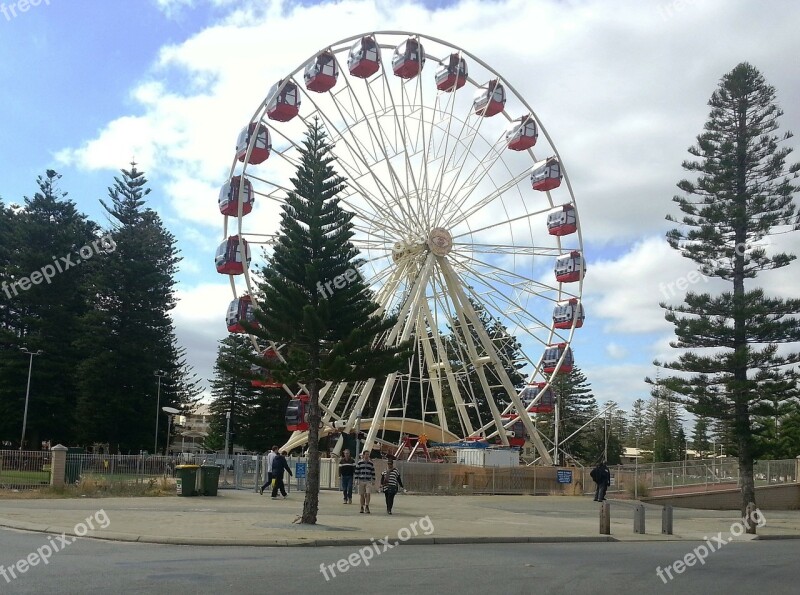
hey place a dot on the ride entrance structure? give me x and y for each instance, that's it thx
(467, 226)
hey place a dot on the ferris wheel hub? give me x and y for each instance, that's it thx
(440, 241)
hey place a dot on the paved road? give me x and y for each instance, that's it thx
(112, 567)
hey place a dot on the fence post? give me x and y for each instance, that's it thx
(605, 518)
(666, 520)
(638, 518)
(58, 465)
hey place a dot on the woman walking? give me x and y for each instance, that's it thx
(391, 482)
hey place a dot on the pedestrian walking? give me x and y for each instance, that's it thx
(391, 482)
(347, 468)
(270, 458)
(365, 477)
(279, 465)
(602, 478)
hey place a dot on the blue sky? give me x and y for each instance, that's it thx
(622, 87)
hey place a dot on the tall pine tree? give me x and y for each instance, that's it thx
(743, 193)
(329, 336)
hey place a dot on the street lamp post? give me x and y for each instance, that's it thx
(171, 413)
(27, 393)
(160, 374)
(227, 434)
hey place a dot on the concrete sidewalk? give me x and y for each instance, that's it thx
(246, 518)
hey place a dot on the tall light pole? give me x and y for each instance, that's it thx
(171, 413)
(227, 434)
(160, 374)
(27, 393)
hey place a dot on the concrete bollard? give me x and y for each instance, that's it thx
(58, 465)
(638, 519)
(605, 518)
(666, 520)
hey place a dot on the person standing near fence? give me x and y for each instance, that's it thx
(602, 478)
(270, 459)
(347, 468)
(391, 483)
(279, 465)
(365, 476)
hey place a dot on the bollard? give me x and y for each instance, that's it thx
(666, 520)
(638, 519)
(605, 518)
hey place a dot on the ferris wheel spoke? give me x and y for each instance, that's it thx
(513, 249)
(356, 151)
(484, 202)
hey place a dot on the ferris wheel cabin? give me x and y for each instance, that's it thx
(490, 99)
(522, 134)
(297, 414)
(266, 380)
(546, 404)
(451, 75)
(570, 267)
(566, 313)
(562, 222)
(229, 197)
(365, 57)
(260, 150)
(284, 103)
(408, 58)
(546, 175)
(229, 259)
(321, 73)
(551, 356)
(516, 432)
(240, 310)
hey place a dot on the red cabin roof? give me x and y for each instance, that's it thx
(262, 146)
(408, 58)
(562, 222)
(266, 380)
(551, 356)
(321, 73)
(365, 57)
(490, 99)
(451, 75)
(517, 429)
(522, 134)
(284, 101)
(229, 197)
(229, 259)
(566, 313)
(570, 267)
(241, 309)
(546, 175)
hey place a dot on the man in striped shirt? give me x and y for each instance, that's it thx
(365, 476)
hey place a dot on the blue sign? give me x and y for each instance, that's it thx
(300, 470)
(564, 476)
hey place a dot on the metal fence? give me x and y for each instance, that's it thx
(23, 469)
(699, 475)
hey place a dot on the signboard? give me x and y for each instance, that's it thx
(300, 470)
(564, 476)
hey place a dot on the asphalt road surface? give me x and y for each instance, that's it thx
(94, 566)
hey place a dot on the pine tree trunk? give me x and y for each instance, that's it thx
(311, 502)
(745, 465)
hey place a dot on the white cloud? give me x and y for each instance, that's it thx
(616, 351)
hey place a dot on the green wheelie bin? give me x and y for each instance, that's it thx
(209, 480)
(186, 479)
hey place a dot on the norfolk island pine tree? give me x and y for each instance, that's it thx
(743, 193)
(326, 336)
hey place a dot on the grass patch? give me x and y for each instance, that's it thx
(98, 486)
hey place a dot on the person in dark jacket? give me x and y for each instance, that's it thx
(279, 465)
(602, 478)
(347, 468)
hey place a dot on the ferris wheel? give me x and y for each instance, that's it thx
(466, 223)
